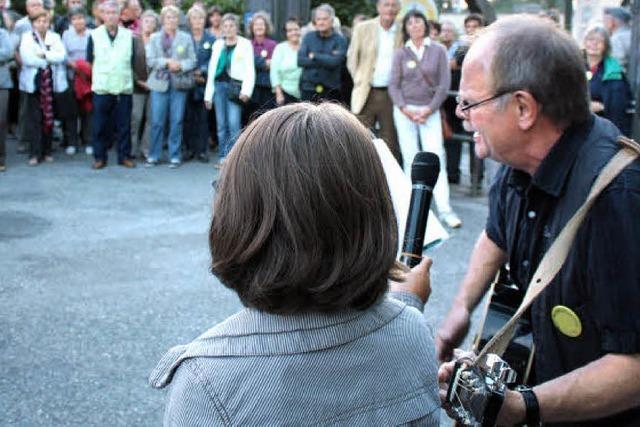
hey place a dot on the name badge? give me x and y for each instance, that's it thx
(411, 64)
(180, 49)
(566, 321)
(264, 53)
(319, 89)
(206, 45)
(589, 75)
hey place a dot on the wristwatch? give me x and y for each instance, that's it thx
(531, 405)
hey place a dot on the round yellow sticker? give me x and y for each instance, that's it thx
(589, 75)
(206, 45)
(567, 321)
(411, 64)
(180, 49)
(319, 89)
(264, 53)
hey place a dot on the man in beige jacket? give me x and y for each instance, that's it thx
(369, 62)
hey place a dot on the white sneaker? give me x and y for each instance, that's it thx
(89, 150)
(174, 163)
(70, 151)
(451, 220)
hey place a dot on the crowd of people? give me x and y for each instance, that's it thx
(142, 81)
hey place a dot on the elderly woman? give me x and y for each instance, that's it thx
(304, 232)
(230, 80)
(418, 86)
(259, 31)
(171, 59)
(43, 77)
(285, 73)
(608, 86)
(6, 54)
(196, 129)
(141, 107)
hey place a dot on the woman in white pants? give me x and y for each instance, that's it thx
(418, 85)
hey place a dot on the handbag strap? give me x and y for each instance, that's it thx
(555, 257)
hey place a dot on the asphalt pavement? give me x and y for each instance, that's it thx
(102, 271)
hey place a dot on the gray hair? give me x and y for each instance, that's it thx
(397, 1)
(41, 2)
(233, 18)
(169, 10)
(531, 54)
(151, 13)
(196, 9)
(111, 4)
(267, 22)
(605, 35)
(324, 7)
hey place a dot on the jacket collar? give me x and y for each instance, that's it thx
(254, 333)
(554, 170)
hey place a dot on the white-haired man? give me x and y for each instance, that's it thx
(369, 62)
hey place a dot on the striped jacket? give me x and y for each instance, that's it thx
(373, 367)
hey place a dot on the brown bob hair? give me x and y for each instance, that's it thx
(303, 219)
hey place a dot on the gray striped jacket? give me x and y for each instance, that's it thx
(373, 367)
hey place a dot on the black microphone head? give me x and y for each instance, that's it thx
(425, 168)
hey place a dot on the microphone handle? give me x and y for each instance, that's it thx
(414, 232)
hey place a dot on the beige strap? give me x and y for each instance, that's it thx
(557, 253)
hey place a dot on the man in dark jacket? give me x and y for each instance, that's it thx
(321, 56)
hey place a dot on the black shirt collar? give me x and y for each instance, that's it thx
(555, 167)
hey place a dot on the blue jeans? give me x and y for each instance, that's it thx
(228, 116)
(111, 118)
(170, 103)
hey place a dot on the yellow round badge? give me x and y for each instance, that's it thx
(180, 49)
(206, 45)
(264, 53)
(589, 75)
(319, 89)
(411, 64)
(567, 321)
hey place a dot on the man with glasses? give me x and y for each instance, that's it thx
(524, 94)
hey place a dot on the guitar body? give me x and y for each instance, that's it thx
(504, 301)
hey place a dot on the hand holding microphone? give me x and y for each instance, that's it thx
(424, 174)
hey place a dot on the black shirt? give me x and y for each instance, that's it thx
(600, 280)
(329, 55)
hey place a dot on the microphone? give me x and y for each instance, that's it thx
(424, 174)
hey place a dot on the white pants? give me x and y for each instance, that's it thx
(430, 140)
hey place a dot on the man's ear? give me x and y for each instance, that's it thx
(528, 109)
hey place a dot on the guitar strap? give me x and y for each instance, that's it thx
(555, 257)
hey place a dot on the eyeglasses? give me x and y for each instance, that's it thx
(465, 106)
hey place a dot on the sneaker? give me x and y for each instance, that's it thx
(88, 150)
(451, 220)
(48, 159)
(70, 150)
(203, 158)
(151, 162)
(33, 161)
(219, 165)
(2, 167)
(174, 163)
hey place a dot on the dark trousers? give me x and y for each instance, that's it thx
(39, 143)
(379, 108)
(262, 100)
(111, 119)
(326, 95)
(196, 127)
(4, 104)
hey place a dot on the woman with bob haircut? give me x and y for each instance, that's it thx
(304, 231)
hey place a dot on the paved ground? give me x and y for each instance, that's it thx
(101, 272)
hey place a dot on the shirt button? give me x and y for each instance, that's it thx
(531, 214)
